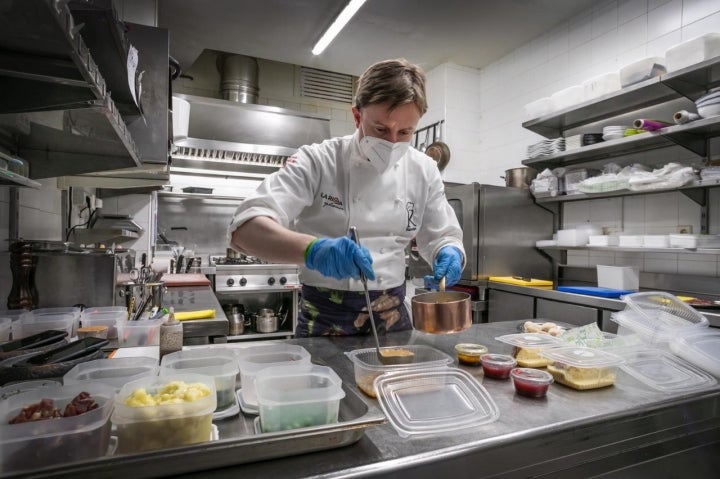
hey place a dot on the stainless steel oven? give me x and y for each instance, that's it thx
(500, 227)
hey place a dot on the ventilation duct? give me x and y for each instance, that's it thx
(239, 78)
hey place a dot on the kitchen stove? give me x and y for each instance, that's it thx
(247, 273)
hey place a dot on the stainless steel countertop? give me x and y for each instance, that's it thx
(570, 433)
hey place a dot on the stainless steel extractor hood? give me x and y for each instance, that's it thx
(228, 136)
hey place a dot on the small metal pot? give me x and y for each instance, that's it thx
(266, 323)
(519, 177)
(441, 312)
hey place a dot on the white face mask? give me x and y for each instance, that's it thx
(383, 153)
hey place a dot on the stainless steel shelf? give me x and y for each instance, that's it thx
(199, 196)
(8, 178)
(617, 249)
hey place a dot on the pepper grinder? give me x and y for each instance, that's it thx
(23, 294)
(171, 335)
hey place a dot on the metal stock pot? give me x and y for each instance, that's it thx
(441, 312)
(519, 177)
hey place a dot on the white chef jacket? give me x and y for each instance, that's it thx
(325, 188)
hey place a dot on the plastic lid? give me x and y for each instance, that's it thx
(530, 375)
(582, 357)
(471, 349)
(663, 371)
(530, 340)
(409, 399)
(701, 348)
(657, 315)
(423, 357)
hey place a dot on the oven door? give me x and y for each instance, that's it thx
(464, 200)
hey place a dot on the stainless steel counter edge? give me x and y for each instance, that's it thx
(581, 299)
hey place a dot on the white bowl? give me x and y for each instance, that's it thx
(709, 110)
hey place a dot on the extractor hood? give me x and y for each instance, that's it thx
(231, 137)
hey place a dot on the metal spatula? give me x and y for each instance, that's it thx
(387, 356)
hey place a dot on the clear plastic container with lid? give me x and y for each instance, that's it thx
(104, 316)
(699, 347)
(527, 347)
(531, 382)
(410, 398)
(33, 322)
(469, 353)
(299, 396)
(117, 371)
(367, 365)
(582, 368)
(161, 412)
(657, 317)
(53, 442)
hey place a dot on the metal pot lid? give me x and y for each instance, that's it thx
(440, 152)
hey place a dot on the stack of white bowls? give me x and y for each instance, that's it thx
(613, 132)
(708, 105)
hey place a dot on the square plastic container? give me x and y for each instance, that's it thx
(601, 85)
(143, 332)
(295, 397)
(537, 108)
(693, 51)
(410, 400)
(220, 364)
(5, 329)
(254, 359)
(33, 322)
(618, 277)
(572, 237)
(642, 70)
(53, 442)
(115, 372)
(701, 348)
(182, 416)
(76, 311)
(684, 241)
(527, 347)
(582, 368)
(662, 371)
(104, 316)
(657, 317)
(631, 241)
(656, 241)
(367, 365)
(567, 97)
(602, 240)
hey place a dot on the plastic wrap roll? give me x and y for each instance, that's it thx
(649, 125)
(684, 116)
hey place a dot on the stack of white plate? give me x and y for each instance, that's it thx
(613, 132)
(708, 105)
(546, 147)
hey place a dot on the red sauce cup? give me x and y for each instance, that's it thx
(530, 382)
(497, 366)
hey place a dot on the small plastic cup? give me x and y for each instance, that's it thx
(497, 366)
(469, 353)
(532, 383)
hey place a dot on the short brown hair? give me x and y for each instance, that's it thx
(396, 81)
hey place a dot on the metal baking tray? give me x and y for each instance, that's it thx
(238, 443)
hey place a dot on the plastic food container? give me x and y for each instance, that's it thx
(618, 277)
(701, 348)
(530, 382)
(220, 364)
(367, 365)
(662, 371)
(657, 317)
(410, 401)
(104, 316)
(116, 372)
(188, 420)
(254, 359)
(469, 353)
(582, 368)
(295, 397)
(567, 97)
(76, 311)
(631, 241)
(33, 322)
(528, 346)
(497, 366)
(601, 85)
(5, 328)
(602, 240)
(55, 441)
(656, 241)
(642, 70)
(693, 51)
(143, 332)
(537, 108)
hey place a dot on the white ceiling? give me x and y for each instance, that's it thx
(472, 33)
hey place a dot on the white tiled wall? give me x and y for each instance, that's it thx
(614, 34)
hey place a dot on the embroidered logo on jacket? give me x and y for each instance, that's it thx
(411, 225)
(332, 201)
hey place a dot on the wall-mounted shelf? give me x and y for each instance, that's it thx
(8, 178)
(199, 196)
(617, 249)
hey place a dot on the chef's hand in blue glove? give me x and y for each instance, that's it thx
(448, 263)
(339, 258)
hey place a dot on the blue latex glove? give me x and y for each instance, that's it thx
(448, 263)
(339, 258)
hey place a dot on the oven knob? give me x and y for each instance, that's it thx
(230, 281)
(271, 280)
(283, 280)
(243, 281)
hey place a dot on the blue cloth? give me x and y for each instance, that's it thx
(448, 263)
(340, 258)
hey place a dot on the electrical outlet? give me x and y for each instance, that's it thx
(683, 229)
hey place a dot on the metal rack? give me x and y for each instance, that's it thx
(426, 135)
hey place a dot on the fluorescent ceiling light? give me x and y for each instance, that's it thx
(342, 19)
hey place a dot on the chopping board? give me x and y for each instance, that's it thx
(595, 291)
(189, 279)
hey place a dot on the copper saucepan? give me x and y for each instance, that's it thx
(441, 312)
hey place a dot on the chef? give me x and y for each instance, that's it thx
(373, 180)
